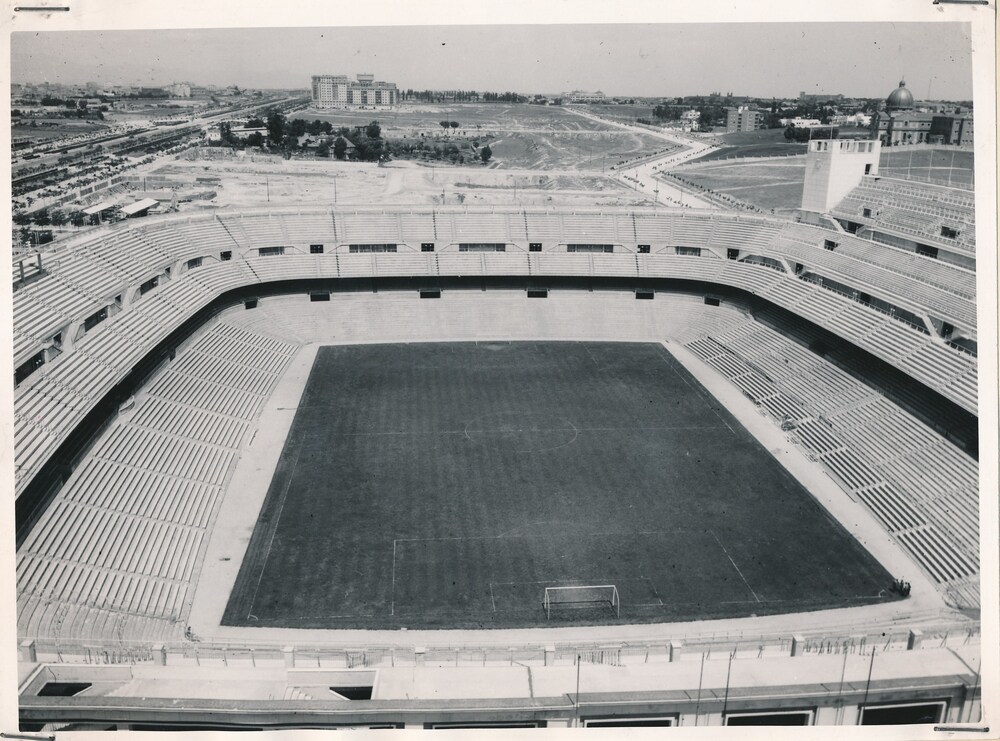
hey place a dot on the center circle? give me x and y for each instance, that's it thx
(523, 432)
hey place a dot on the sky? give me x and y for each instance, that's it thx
(758, 59)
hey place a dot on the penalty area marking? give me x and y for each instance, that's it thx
(277, 520)
(735, 566)
(392, 603)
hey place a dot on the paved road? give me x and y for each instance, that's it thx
(642, 176)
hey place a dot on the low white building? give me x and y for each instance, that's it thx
(801, 123)
(580, 96)
(855, 119)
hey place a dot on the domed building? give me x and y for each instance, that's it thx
(900, 99)
(900, 123)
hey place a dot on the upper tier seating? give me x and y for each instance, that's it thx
(913, 209)
(95, 272)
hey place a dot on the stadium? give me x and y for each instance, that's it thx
(176, 378)
(610, 430)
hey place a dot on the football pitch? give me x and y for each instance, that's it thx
(446, 485)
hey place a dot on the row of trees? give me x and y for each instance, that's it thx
(49, 217)
(462, 96)
(795, 134)
(713, 110)
(283, 134)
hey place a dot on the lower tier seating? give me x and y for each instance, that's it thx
(124, 535)
(922, 489)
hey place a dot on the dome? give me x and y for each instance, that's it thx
(900, 98)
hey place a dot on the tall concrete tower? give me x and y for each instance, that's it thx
(833, 168)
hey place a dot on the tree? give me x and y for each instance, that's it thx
(453, 124)
(485, 153)
(57, 217)
(78, 218)
(255, 123)
(256, 139)
(323, 150)
(275, 127)
(444, 124)
(373, 130)
(340, 148)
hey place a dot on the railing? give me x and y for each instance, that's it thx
(887, 312)
(481, 651)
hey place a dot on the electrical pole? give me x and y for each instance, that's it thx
(577, 703)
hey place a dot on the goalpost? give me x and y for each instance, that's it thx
(581, 597)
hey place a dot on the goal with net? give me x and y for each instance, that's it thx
(582, 596)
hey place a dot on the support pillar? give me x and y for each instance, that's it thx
(798, 645)
(550, 655)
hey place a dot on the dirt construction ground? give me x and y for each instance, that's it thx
(256, 182)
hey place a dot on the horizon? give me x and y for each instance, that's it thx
(771, 60)
(548, 94)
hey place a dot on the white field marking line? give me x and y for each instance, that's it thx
(277, 520)
(653, 587)
(699, 393)
(583, 582)
(392, 604)
(571, 427)
(735, 566)
(492, 600)
(515, 537)
(576, 434)
(322, 617)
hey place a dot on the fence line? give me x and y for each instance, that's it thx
(623, 653)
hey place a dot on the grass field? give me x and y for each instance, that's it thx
(520, 136)
(763, 143)
(943, 166)
(768, 185)
(471, 117)
(445, 485)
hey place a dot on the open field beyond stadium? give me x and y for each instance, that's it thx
(942, 166)
(446, 485)
(520, 136)
(769, 184)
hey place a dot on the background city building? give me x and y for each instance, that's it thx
(744, 118)
(336, 91)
